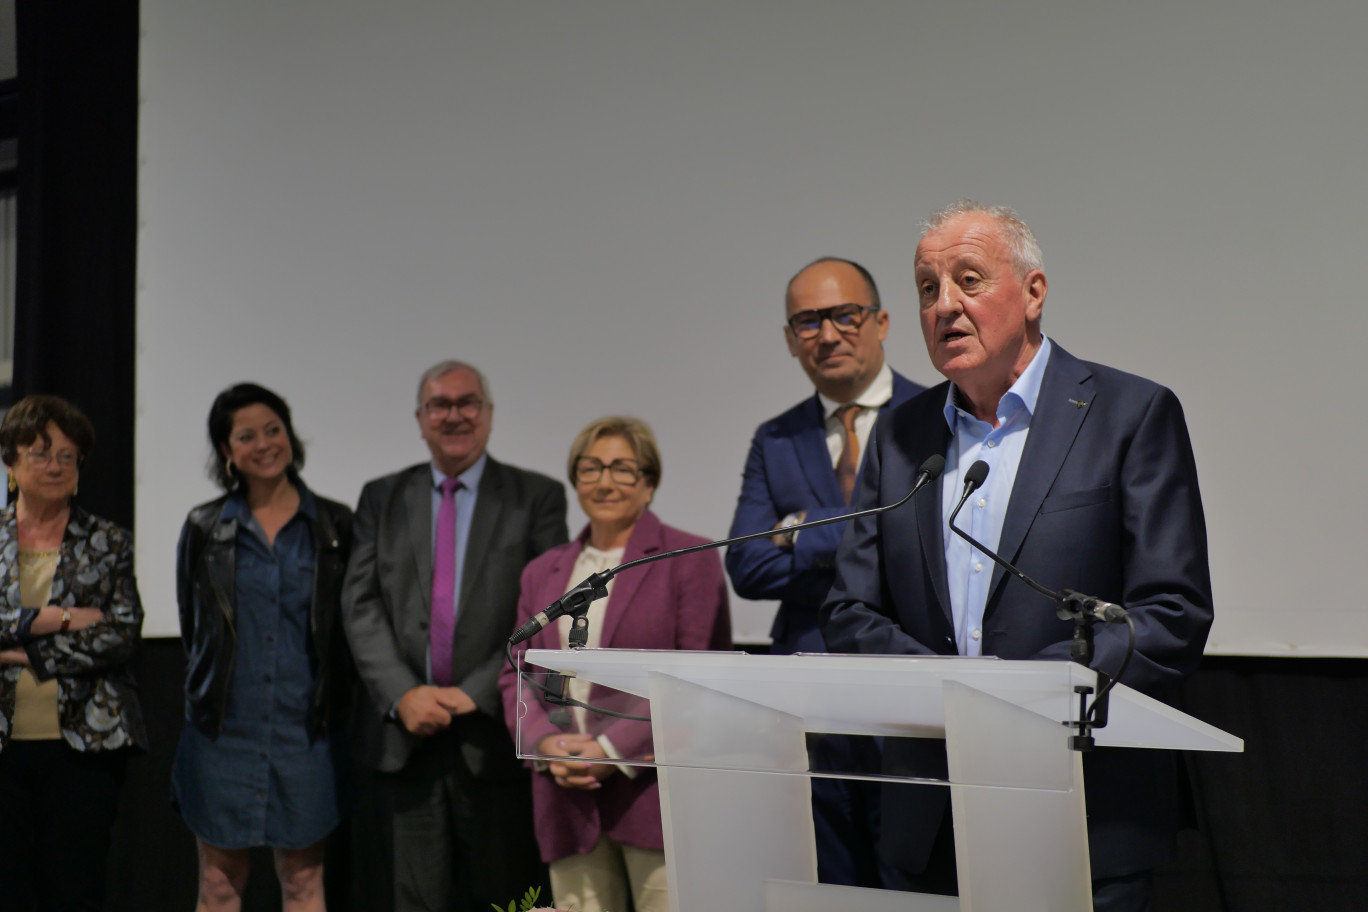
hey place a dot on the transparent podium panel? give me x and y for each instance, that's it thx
(735, 739)
(774, 719)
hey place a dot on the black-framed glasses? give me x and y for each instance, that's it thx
(468, 407)
(40, 459)
(588, 470)
(847, 318)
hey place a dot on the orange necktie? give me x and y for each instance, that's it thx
(848, 466)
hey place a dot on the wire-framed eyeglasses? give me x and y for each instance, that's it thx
(589, 470)
(41, 459)
(468, 407)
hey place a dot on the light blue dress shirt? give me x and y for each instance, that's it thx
(969, 572)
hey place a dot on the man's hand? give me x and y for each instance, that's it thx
(573, 774)
(422, 712)
(785, 538)
(455, 701)
(426, 710)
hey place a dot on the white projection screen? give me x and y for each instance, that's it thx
(599, 203)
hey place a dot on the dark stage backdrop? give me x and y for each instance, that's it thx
(1282, 824)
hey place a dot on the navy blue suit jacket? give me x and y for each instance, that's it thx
(1105, 502)
(787, 471)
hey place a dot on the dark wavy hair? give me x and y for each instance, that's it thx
(221, 414)
(27, 421)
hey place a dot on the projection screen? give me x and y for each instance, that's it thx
(599, 203)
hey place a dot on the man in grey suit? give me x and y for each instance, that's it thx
(454, 533)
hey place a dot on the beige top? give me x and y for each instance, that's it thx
(35, 704)
(592, 560)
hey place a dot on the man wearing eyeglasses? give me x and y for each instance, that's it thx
(802, 466)
(429, 601)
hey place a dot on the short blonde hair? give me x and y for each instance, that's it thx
(636, 432)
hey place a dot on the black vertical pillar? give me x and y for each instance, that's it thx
(78, 132)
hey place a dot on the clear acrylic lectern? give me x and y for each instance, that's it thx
(728, 732)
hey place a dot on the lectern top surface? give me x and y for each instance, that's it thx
(888, 695)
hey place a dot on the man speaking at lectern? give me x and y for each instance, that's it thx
(1092, 486)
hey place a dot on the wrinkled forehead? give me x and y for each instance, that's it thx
(972, 236)
(454, 384)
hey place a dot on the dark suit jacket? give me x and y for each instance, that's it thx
(671, 604)
(789, 470)
(1105, 502)
(387, 596)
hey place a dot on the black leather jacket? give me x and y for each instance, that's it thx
(205, 567)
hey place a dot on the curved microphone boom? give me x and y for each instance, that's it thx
(1083, 610)
(974, 477)
(1071, 605)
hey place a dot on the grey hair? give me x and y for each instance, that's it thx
(445, 367)
(1021, 243)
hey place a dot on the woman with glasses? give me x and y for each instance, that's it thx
(598, 822)
(262, 759)
(69, 621)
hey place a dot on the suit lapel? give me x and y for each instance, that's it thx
(1054, 427)
(930, 522)
(646, 539)
(417, 505)
(489, 504)
(68, 564)
(552, 586)
(9, 557)
(903, 389)
(813, 455)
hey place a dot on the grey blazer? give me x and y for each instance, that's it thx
(386, 601)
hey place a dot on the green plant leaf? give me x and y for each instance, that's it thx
(529, 900)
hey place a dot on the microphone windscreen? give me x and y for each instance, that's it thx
(932, 468)
(976, 474)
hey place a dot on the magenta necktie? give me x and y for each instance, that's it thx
(443, 619)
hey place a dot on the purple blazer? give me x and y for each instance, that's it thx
(672, 604)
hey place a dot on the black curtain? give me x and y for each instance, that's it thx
(1283, 825)
(74, 319)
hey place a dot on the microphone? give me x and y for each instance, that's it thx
(930, 470)
(975, 477)
(1096, 608)
(1070, 605)
(576, 601)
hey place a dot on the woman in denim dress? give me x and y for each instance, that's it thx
(263, 759)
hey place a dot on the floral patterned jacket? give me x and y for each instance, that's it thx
(97, 704)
